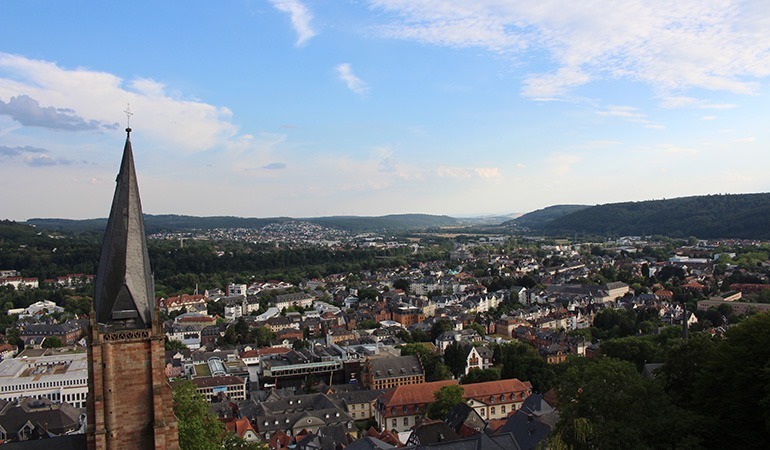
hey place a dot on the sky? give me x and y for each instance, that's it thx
(306, 108)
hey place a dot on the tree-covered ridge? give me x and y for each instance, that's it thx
(538, 219)
(172, 222)
(712, 216)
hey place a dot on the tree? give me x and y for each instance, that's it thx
(262, 336)
(402, 284)
(443, 400)
(610, 398)
(523, 362)
(476, 375)
(199, 429)
(368, 324)
(454, 358)
(174, 345)
(731, 385)
(439, 327)
(440, 372)
(52, 342)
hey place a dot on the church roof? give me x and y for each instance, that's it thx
(124, 294)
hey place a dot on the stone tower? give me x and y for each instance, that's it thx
(129, 400)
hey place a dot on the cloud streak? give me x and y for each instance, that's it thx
(28, 112)
(717, 46)
(10, 152)
(300, 19)
(355, 84)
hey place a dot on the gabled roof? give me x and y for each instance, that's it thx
(477, 390)
(415, 393)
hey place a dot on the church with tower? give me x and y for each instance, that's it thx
(129, 399)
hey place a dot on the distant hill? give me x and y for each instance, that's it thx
(170, 222)
(711, 216)
(538, 219)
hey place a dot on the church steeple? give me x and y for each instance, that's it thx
(124, 296)
(129, 401)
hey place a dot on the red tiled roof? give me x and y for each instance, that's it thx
(495, 388)
(415, 393)
(273, 350)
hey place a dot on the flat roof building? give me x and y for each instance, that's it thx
(60, 378)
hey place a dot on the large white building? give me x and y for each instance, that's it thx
(60, 378)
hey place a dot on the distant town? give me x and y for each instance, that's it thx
(369, 359)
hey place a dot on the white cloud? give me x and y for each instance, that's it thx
(720, 45)
(300, 18)
(745, 140)
(630, 114)
(711, 117)
(179, 125)
(468, 172)
(355, 84)
(672, 149)
(561, 163)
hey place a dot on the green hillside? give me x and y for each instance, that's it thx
(711, 216)
(170, 222)
(538, 219)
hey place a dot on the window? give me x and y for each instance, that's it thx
(395, 423)
(406, 421)
(492, 411)
(502, 409)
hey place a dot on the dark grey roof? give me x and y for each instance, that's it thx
(43, 414)
(369, 443)
(433, 432)
(69, 442)
(398, 366)
(124, 294)
(462, 414)
(478, 442)
(356, 397)
(532, 423)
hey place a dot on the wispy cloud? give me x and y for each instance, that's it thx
(46, 161)
(18, 151)
(745, 140)
(630, 114)
(561, 163)
(468, 172)
(355, 84)
(274, 166)
(670, 47)
(300, 18)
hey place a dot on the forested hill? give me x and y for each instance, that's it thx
(537, 219)
(170, 222)
(712, 216)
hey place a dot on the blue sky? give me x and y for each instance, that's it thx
(307, 108)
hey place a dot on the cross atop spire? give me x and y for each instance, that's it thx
(128, 119)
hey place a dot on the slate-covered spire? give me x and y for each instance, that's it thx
(124, 296)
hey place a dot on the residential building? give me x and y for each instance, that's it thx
(478, 358)
(388, 372)
(400, 408)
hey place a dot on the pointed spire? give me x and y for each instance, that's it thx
(124, 295)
